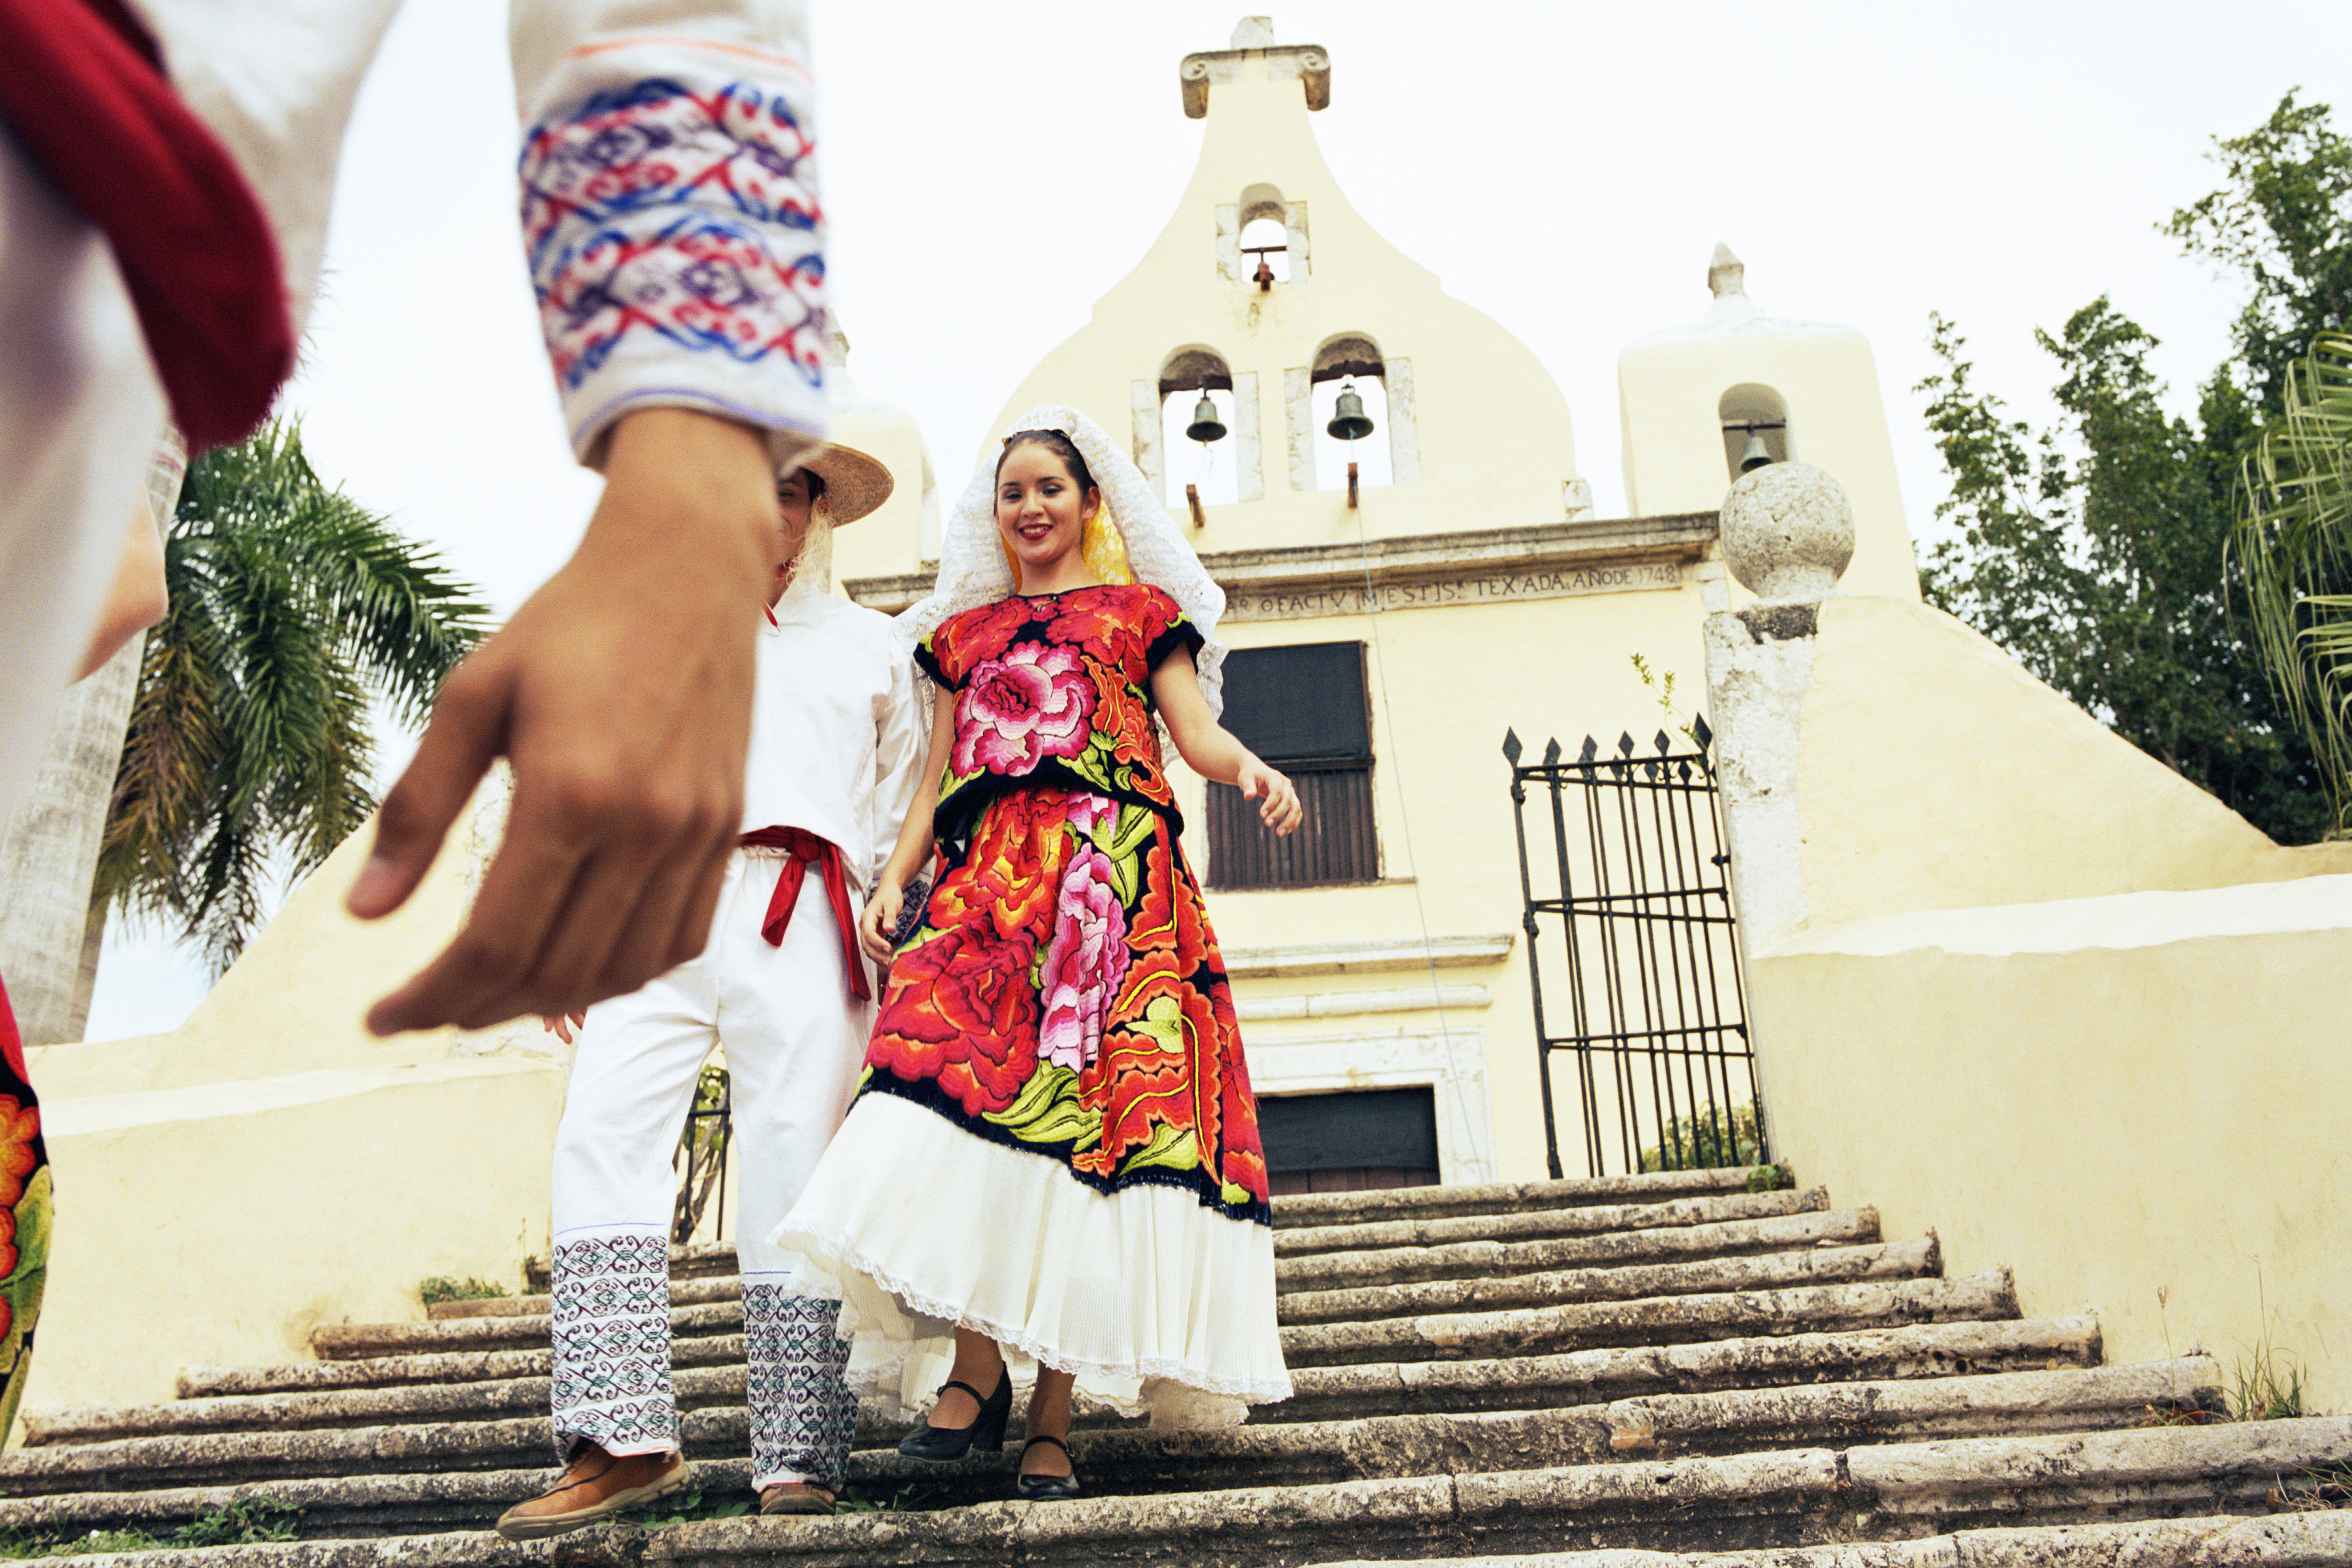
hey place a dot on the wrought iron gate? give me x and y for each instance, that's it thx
(1656, 1024)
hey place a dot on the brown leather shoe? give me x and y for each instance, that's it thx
(796, 1497)
(595, 1486)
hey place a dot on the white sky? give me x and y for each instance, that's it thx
(991, 170)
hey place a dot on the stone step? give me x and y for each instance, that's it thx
(1135, 1460)
(1704, 1276)
(1477, 1258)
(1746, 1502)
(2223, 1541)
(1300, 1211)
(1658, 1321)
(683, 1292)
(367, 1342)
(1540, 1224)
(702, 1259)
(178, 1457)
(2288, 1541)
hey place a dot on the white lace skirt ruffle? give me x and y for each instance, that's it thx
(1160, 1306)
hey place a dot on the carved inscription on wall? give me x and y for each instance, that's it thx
(1248, 603)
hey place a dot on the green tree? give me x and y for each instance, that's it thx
(2094, 551)
(292, 607)
(2292, 553)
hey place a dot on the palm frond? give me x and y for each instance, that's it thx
(2291, 550)
(292, 606)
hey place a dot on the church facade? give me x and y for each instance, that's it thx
(1410, 572)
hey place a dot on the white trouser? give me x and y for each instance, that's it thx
(794, 1039)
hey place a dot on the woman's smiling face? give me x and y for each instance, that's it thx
(1040, 509)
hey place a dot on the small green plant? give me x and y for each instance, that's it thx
(1767, 1179)
(2265, 1386)
(239, 1524)
(441, 1287)
(1709, 1139)
(692, 1507)
(909, 1497)
(1663, 686)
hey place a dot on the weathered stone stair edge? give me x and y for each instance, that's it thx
(1577, 1377)
(2223, 1541)
(358, 1406)
(1680, 1504)
(1302, 1211)
(1632, 1281)
(2289, 1541)
(1133, 1461)
(1458, 1259)
(1668, 1213)
(1665, 1320)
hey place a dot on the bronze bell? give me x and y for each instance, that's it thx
(1347, 419)
(1204, 427)
(1756, 456)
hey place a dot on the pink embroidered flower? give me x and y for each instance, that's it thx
(1017, 711)
(1083, 962)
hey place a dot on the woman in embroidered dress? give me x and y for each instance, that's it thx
(1054, 1149)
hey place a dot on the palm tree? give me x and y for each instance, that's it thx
(291, 605)
(2292, 550)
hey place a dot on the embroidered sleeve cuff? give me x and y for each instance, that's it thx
(675, 238)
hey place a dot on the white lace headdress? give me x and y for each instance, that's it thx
(973, 570)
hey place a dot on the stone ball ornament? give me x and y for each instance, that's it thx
(1787, 532)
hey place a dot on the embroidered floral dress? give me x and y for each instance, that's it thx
(1055, 1139)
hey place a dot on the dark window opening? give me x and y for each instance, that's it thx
(1303, 709)
(1352, 1142)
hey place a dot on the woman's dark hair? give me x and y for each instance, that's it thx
(811, 477)
(1057, 442)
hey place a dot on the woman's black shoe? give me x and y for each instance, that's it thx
(986, 1432)
(1046, 1488)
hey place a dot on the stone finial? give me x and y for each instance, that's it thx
(1253, 33)
(1726, 274)
(1787, 532)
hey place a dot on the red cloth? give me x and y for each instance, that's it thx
(803, 848)
(82, 90)
(12, 1044)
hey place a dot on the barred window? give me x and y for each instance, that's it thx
(1303, 709)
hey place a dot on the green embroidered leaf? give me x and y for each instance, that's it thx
(1162, 1022)
(1135, 823)
(22, 1288)
(1236, 1197)
(1047, 1110)
(1172, 1147)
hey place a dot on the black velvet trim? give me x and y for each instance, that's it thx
(1205, 1189)
(1181, 634)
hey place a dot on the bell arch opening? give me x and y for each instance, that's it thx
(1199, 442)
(1348, 366)
(1755, 421)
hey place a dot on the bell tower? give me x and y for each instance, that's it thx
(1225, 355)
(1703, 402)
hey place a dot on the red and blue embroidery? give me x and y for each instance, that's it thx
(691, 216)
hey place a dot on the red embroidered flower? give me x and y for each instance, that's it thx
(1015, 711)
(1105, 624)
(978, 635)
(976, 1029)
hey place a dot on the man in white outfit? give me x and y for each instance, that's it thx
(833, 762)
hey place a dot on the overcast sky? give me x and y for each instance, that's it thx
(991, 170)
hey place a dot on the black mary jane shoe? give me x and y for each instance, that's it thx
(986, 1432)
(1047, 1488)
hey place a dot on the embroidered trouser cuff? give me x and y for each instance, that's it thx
(802, 1414)
(611, 1333)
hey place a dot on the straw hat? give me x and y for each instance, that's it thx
(855, 483)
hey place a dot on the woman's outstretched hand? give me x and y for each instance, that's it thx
(621, 692)
(1281, 811)
(880, 919)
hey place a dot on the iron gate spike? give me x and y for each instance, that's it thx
(1511, 747)
(1551, 752)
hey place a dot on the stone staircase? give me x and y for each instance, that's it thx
(1647, 1370)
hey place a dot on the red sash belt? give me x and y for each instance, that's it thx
(801, 847)
(82, 92)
